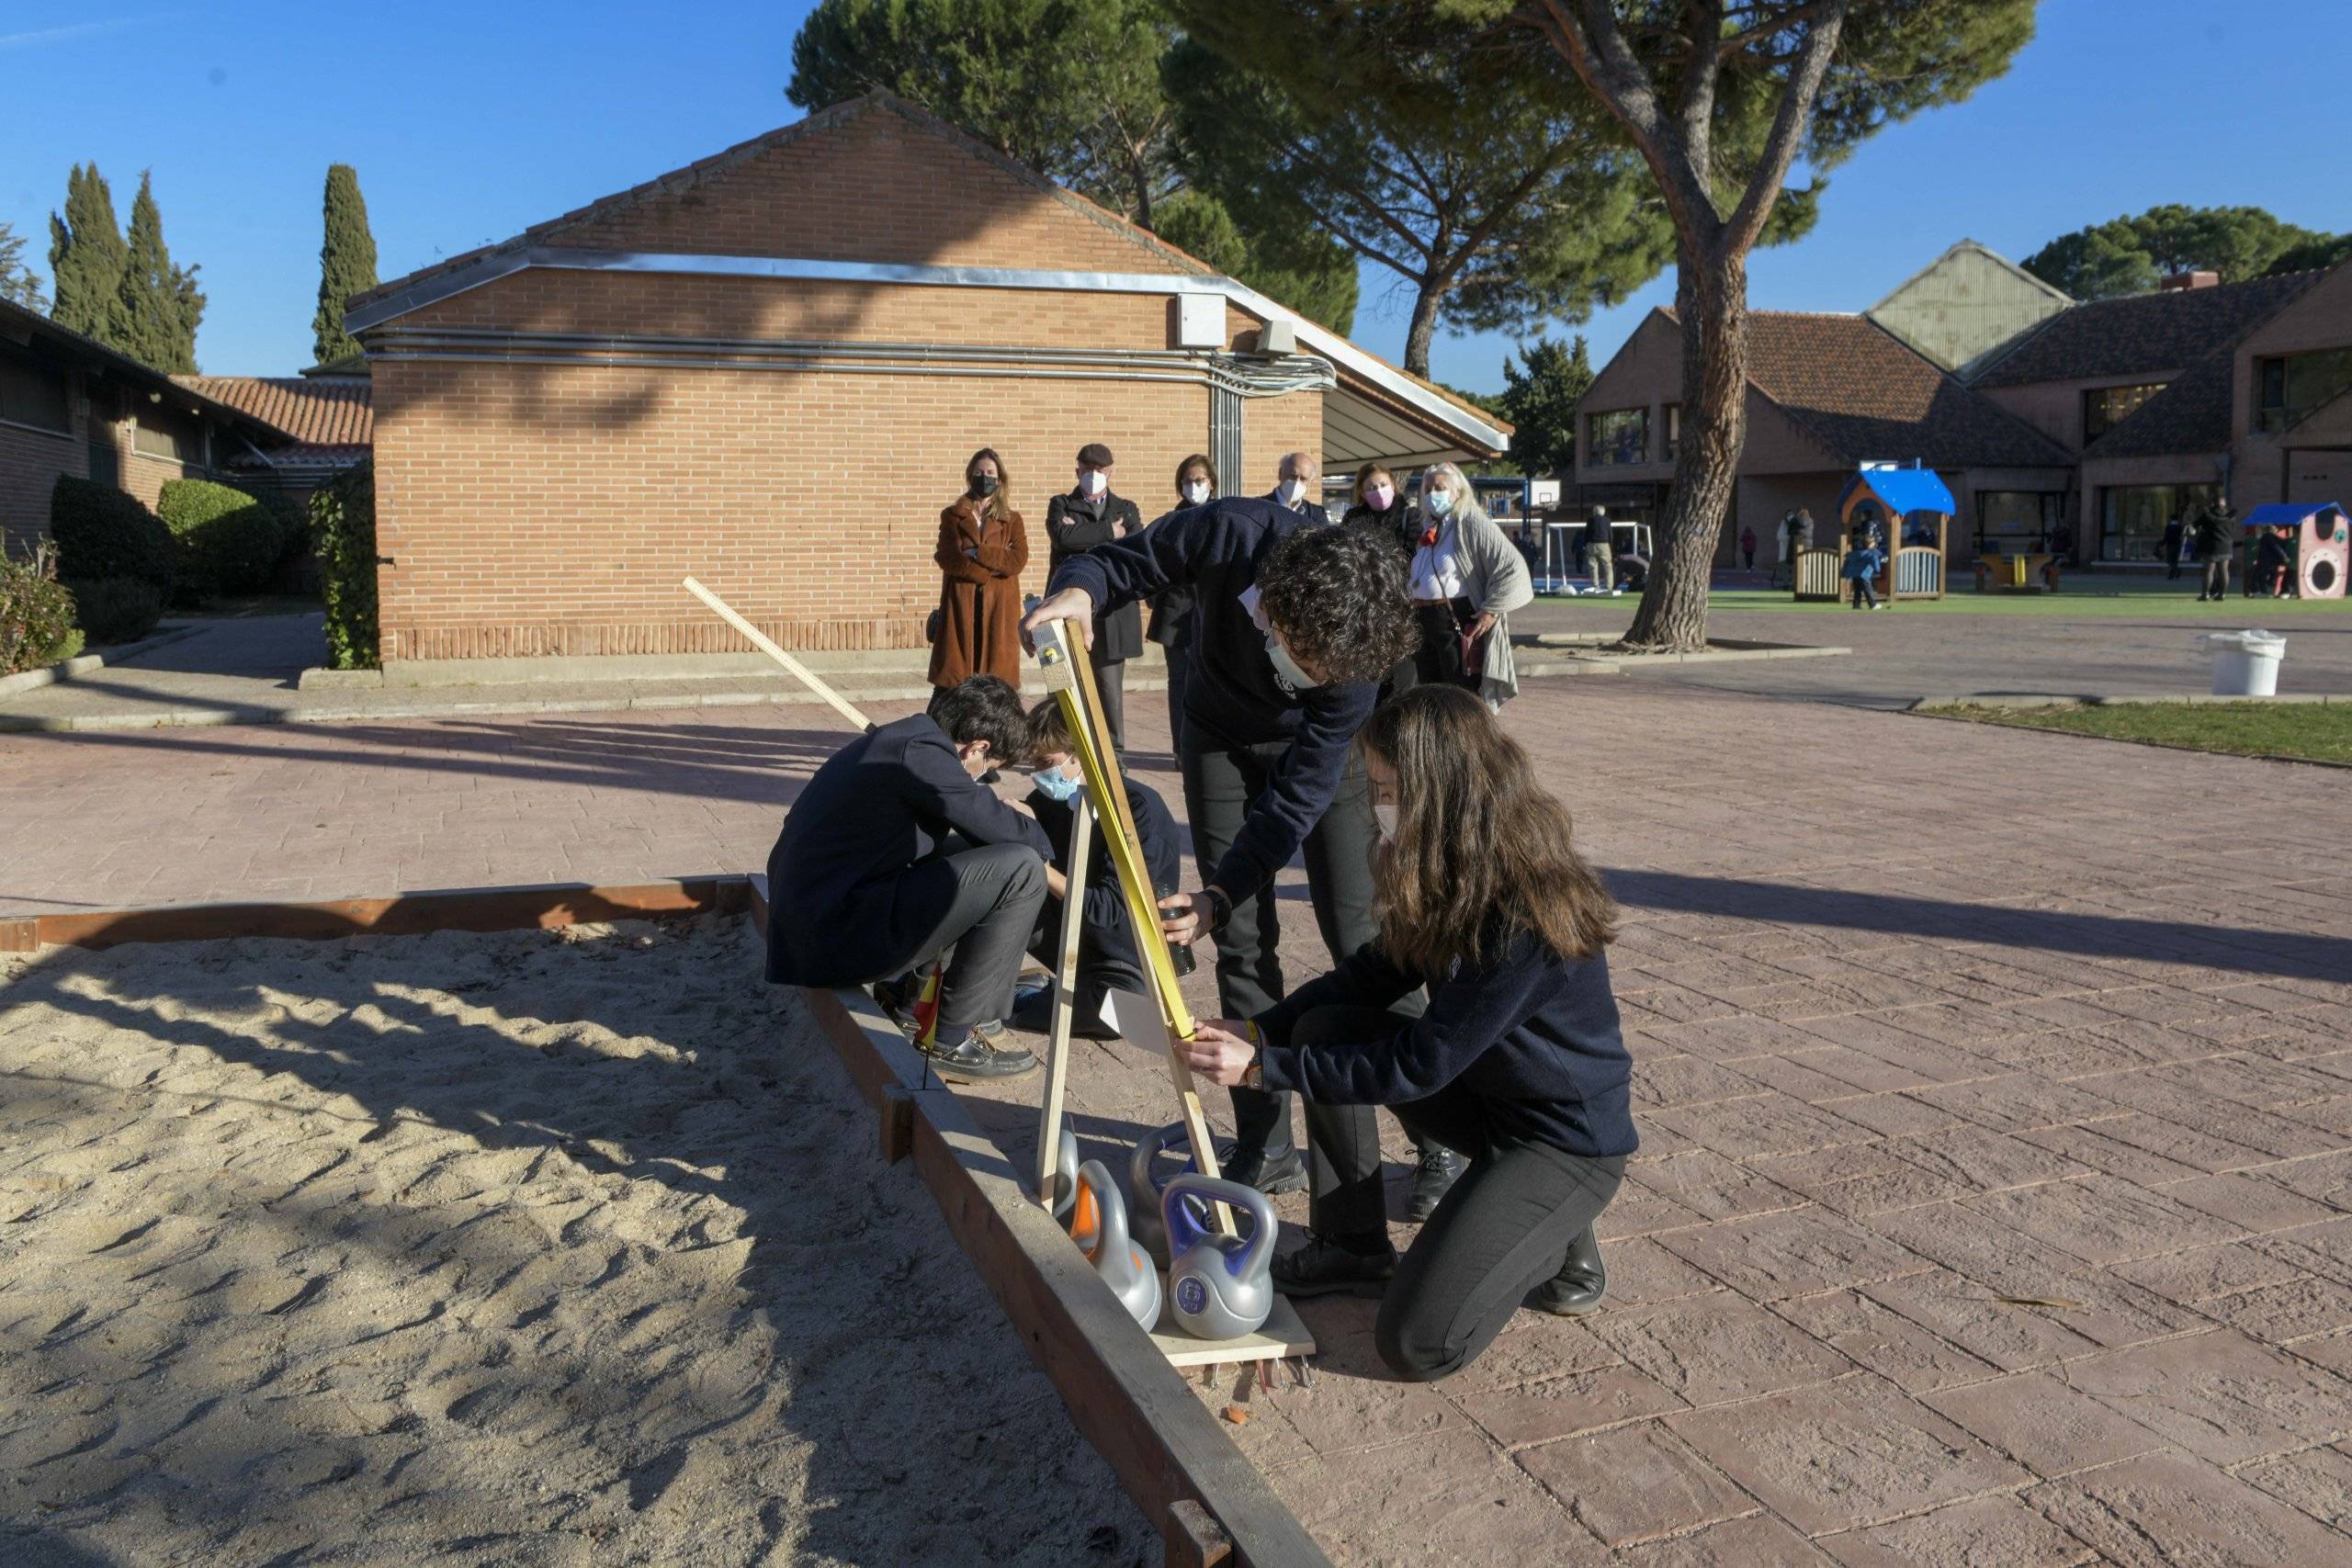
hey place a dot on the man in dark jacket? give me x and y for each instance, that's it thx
(1089, 516)
(895, 853)
(1294, 627)
(1107, 958)
(1296, 487)
(2214, 527)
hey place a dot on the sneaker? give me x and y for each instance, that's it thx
(1576, 1290)
(1324, 1268)
(1440, 1169)
(974, 1060)
(1285, 1173)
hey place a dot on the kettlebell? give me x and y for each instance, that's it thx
(1066, 1178)
(1099, 1226)
(1144, 1193)
(1220, 1287)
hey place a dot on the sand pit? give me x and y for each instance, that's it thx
(541, 1247)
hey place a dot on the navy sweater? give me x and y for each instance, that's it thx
(1529, 1037)
(1232, 696)
(877, 806)
(1104, 905)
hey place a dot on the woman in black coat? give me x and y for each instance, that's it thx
(1076, 523)
(1171, 608)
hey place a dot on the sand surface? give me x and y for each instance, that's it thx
(529, 1249)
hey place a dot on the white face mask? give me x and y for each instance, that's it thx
(1287, 668)
(1438, 502)
(1197, 494)
(1384, 813)
(1092, 482)
(1293, 491)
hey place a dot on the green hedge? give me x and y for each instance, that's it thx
(36, 614)
(229, 541)
(116, 609)
(342, 534)
(101, 531)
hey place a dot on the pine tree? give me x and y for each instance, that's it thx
(160, 303)
(86, 257)
(19, 285)
(347, 264)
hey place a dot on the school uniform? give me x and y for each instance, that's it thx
(1518, 1063)
(1268, 769)
(1108, 959)
(1075, 523)
(891, 855)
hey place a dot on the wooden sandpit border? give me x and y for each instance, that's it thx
(1209, 1502)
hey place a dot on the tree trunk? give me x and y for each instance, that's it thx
(1709, 289)
(1423, 327)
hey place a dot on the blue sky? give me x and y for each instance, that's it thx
(469, 123)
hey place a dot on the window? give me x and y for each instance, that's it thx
(155, 438)
(2131, 518)
(1621, 435)
(1673, 430)
(2287, 388)
(2106, 407)
(2018, 522)
(31, 393)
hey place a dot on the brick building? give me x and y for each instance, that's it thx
(768, 370)
(70, 405)
(2082, 427)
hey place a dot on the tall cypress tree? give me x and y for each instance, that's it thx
(160, 303)
(346, 263)
(86, 256)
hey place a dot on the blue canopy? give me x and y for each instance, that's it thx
(1901, 490)
(2288, 515)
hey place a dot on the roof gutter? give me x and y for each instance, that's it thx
(1321, 340)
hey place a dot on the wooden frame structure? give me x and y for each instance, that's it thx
(1912, 571)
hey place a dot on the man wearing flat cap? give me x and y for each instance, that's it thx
(1091, 515)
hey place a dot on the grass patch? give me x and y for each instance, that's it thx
(2083, 596)
(2312, 731)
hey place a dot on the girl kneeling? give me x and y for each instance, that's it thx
(1519, 1062)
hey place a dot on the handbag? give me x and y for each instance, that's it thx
(1473, 649)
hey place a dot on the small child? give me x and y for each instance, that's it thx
(2274, 557)
(1107, 959)
(1864, 562)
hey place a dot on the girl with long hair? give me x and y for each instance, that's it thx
(1518, 1063)
(981, 551)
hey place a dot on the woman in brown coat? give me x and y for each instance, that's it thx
(982, 550)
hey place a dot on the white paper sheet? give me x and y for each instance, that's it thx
(1136, 1018)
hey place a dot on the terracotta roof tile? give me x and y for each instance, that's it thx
(1864, 394)
(2142, 334)
(317, 411)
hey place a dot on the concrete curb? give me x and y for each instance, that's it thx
(1719, 650)
(82, 664)
(2190, 699)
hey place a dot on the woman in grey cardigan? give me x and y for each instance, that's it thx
(1465, 578)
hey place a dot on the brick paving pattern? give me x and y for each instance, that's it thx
(1996, 1197)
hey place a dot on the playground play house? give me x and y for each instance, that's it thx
(2323, 545)
(1913, 510)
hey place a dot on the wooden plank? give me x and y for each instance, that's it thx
(1193, 1539)
(761, 640)
(546, 907)
(1049, 1124)
(1282, 1337)
(871, 1047)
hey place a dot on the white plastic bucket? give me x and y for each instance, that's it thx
(2246, 664)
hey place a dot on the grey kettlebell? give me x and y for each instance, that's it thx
(1219, 1287)
(1144, 1193)
(1065, 1189)
(1099, 1226)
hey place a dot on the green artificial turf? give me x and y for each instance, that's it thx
(2083, 595)
(2319, 732)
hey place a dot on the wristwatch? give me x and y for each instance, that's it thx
(1254, 1074)
(1220, 907)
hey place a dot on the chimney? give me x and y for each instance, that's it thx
(2189, 280)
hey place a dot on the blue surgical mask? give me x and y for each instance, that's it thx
(1287, 668)
(1056, 785)
(1438, 502)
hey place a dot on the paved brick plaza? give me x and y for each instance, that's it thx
(1974, 1014)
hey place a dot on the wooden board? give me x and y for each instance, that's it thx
(1282, 1337)
(545, 906)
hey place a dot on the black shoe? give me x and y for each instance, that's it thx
(1034, 1013)
(1440, 1169)
(1324, 1268)
(974, 1060)
(897, 998)
(1577, 1288)
(1285, 1173)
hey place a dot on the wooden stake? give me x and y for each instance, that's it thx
(760, 640)
(1081, 848)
